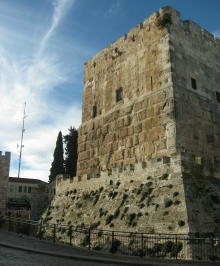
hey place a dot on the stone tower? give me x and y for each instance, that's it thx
(152, 106)
(4, 175)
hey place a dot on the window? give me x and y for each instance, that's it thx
(25, 189)
(94, 111)
(119, 95)
(193, 83)
(20, 189)
(29, 189)
(218, 96)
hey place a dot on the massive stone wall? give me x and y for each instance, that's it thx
(195, 60)
(159, 144)
(141, 126)
(4, 174)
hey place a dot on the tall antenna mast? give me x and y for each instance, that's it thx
(22, 137)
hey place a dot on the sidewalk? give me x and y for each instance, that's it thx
(25, 243)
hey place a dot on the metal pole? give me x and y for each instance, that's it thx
(21, 144)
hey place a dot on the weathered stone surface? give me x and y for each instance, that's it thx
(164, 128)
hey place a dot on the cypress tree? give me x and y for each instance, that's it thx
(70, 162)
(57, 166)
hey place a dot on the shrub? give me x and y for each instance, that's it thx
(110, 194)
(115, 245)
(164, 177)
(109, 218)
(86, 241)
(175, 194)
(165, 213)
(117, 212)
(181, 223)
(126, 209)
(157, 206)
(78, 205)
(168, 203)
(118, 183)
(110, 182)
(111, 225)
(164, 20)
(215, 199)
(101, 189)
(170, 186)
(139, 214)
(114, 194)
(143, 196)
(131, 217)
(142, 205)
(95, 200)
(149, 184)
(177, 202)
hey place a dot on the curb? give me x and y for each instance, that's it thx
(108, 260)
(82, 258)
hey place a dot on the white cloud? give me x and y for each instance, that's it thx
(114, 8)
(32, 77)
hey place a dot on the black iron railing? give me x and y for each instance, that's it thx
(167, 246)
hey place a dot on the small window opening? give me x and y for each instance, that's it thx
(193, 83)
(20, 189)
(218, 96)
(25, 189)
(119, 95)
(94, 111)
(29, 189)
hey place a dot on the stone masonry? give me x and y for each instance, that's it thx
(4, 175)
(150, 122)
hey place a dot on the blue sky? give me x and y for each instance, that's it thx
(43, 47)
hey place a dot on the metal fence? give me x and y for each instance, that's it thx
(167, 246)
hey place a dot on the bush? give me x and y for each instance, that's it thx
(175, 194)
(115, 245)
(117, 212)
(109, 218)
(163, 177)
(168, 203)
(114, 194)
(101, 189)
(177, 202)
(181, 223)
(95, 200)
(118, 183)
(131, 217)
(164, 20)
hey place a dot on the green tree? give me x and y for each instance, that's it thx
(70, 162)
(57, 166)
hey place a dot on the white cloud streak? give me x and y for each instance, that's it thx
(60, 9)
(32, 78)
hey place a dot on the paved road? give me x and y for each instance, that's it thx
(13, 252)
(13, 257)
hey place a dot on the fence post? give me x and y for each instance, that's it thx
(9, 221)
(176, 248)
(113, 236)
(142, 244)
(54, 233)
(70, 233)
(40, 230)
(89, 238)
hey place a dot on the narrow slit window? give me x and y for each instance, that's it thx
(218, 96)
(193, 83)
(94, 111)
(119, 95)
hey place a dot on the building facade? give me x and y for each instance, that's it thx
(4, 175)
